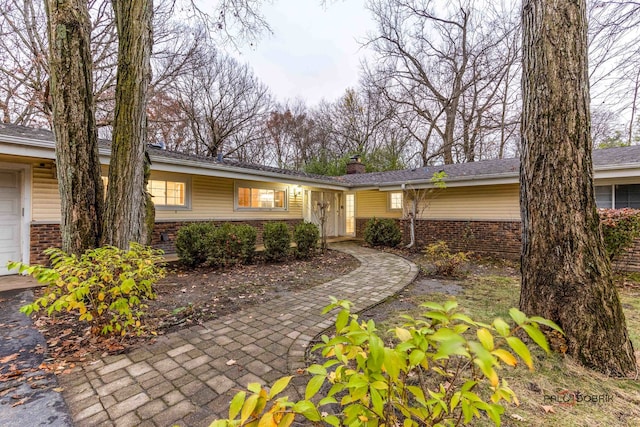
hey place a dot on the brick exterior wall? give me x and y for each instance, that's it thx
(629, 261)
(500, 239)
(44, 236)
(493, 238)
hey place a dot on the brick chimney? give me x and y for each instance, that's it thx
(355, 165)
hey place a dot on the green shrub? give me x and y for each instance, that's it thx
(277, 240)
(231, 244)
(247, 235)
(382, 232)
(445, 263)
(620, 227)
(105, 287)
(443, 370)
(192, 242)
(306, 236)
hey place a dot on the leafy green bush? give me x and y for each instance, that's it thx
(306, 236)
(443, 371)
(192, 242)
(104, 287)
(231, 244)
(445, 263)
(620, 227)
(382, 232)
(248, 236)
(277, 240)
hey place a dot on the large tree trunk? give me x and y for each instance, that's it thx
(124, 220)
(566, 276)
(78, 164)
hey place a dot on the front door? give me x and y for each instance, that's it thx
(324, 203)
(10, 219)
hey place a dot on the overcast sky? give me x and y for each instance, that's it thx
(314, 51)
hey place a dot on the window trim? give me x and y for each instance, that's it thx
(613, 188)
(390, 198)
(259, 186)
(187, 193)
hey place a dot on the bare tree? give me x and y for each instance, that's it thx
(614, 58)
(24, 69)
(289, 136)
(566, 276)
(449, 71)
(224, 102)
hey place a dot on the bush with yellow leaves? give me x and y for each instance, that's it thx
(442, 371)
(105, 287)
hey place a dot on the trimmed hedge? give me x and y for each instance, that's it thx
(306, 236)
(203, 243)
(382, 232)
(192, 242)
(277, 240)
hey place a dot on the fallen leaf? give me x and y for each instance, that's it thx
(548, 408)
(9, 358)
(231, 362)
(21, 402)
(517, 417)
(58, 389)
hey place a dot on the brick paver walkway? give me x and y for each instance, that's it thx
(188, 377)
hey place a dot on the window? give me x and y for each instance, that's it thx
(168, 193)
(261, 198)
(618, 196)
(604, 196)
(395, 200)
(627, 196)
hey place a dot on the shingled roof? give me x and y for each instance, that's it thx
(500, 168)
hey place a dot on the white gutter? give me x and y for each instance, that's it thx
(45, 149)
(166, 164)
(19, 146)
(624, 170)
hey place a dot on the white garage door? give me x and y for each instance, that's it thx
(10, 218)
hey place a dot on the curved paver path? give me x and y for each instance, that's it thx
(188, 377)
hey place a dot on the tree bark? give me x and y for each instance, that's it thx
(124, 220)
(566, 275)
(78, 163)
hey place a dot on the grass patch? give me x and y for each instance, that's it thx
(559, 391)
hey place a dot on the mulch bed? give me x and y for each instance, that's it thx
(188, 297)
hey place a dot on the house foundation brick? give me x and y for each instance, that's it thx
(44, 236)
(489, 238)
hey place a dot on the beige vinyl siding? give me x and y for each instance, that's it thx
(374, 203)
(486, 202)
(45, 199)
(213, 198)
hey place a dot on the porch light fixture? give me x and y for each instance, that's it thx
(297, 191)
